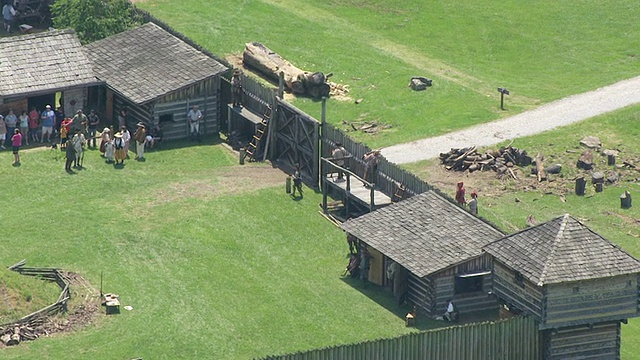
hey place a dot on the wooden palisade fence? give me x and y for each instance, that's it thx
(515, 338)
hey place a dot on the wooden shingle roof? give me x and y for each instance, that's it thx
(562, 250)
(148, 62)
(425, 233)
(43, 63)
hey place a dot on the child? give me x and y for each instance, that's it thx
(64, 132)
(109, 149)
(16, 141)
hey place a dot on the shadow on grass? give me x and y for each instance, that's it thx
(385, 299)
(186, 143)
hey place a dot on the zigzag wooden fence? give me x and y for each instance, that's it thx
(48, 274)
(512, 339)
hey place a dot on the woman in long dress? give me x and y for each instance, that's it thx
(118, 144)
(105, 137)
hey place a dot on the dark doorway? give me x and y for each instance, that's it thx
(39, 102)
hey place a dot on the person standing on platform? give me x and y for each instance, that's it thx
(338, 154)
(236, 88)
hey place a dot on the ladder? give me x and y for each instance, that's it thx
(399, 195)
(254, 144)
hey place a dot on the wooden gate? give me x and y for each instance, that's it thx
(296, 141)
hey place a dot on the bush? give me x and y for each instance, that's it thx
(95, 19)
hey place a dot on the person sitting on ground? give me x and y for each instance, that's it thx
(451, 314)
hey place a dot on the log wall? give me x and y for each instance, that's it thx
(526, 297)
(588, 302)
(598, 342)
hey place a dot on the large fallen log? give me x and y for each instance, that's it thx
(298, 81)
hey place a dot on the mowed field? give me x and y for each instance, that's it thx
(216, 260)
(540, 51)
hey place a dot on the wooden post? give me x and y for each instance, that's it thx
(599, 187)
(581, 183)
(597, 178)
(611, 159)
(625, 200)
(372, 206)
(324, 194)
(281, 84)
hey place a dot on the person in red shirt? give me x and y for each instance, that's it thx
(34, 117)
(460, 194)
(16, 142)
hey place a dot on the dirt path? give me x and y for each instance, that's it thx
(558, 113)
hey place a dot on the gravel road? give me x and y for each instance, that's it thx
(555, 114)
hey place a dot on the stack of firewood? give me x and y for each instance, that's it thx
(14, 334)
(500, 160)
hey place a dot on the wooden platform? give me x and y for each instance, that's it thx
(244, 113)
(359, 192)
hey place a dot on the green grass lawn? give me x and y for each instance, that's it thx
(541, 51)
(215, 264)
(22, 295)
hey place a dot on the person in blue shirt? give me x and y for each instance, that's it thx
(48, 119)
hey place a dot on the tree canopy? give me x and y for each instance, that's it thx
(95, 19)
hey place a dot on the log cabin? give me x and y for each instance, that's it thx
(437, 246)
(158, 78)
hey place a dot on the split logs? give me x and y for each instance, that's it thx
(501, 161)
(541, 173)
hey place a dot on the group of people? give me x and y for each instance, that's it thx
(460, 198)
(115, 146)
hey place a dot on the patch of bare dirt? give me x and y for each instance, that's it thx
(234, 180)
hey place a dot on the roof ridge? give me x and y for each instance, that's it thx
(556, 240)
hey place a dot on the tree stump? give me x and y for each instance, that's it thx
(599, 187)
(581, 183)
(597, 178)
(611, 160)
(586, 160)
(625, 200)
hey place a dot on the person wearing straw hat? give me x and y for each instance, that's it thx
(141, 136)
(236, 86)
(118, 144)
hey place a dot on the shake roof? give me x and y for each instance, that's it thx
(562, 250)
(148, 62)
(425, 233)
(43, 63)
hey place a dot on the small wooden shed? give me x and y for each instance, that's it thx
(159, 78)
(438, 245)
(36, 67)
(577, 284)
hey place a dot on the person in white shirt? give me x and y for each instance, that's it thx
(473, 203)
(451, 314)
(194, 116)
(8, 13)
